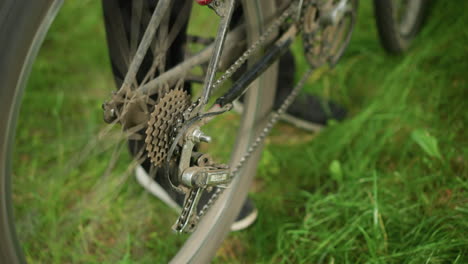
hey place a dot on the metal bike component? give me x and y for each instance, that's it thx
(205, 253)
(193, 136)
(187, 220)
(196, 179)
(188, 217)
(220, 7)
(183, 132)
(204, 160)
(327, 28)
(174, 74)
(218, 47)
(198, 136)
(203, 177)
(255, 46)
(185, 157)
(163, 122)
(156, 18)
(180, 70)
(335, 15)
(186, 130)
(299, 10)
(193, 178)
(190, 177)
(272, 120)
(113, 107)
(241, 85)
(158, 14)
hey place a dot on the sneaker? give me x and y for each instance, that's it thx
(161, 189)
(307, 112)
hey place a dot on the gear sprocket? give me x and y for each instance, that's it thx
(163, 123)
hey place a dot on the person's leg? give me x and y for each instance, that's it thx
(307, 111)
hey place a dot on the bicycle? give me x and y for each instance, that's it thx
(161, 89)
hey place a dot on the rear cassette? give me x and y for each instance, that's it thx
(163, 124)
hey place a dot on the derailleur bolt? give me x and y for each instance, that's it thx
(199, 136)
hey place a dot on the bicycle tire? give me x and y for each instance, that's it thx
(23, 25)
(396, 33)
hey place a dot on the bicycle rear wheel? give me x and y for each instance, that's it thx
(24, 25)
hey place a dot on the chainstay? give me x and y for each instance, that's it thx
(272, 120)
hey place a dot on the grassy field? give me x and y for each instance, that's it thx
(387, 185)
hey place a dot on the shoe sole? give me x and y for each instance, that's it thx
(297, 122)
(157, 190)
(245, 222)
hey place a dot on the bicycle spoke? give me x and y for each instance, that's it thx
(115, 25)
(159, 46)
(137, 11)
(180, 22)
(158, 15)
(175, 73)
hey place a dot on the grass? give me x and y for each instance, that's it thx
(387, 185)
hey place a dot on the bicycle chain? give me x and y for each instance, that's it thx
(265, 131)
(273, 119)
(254, 47)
